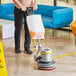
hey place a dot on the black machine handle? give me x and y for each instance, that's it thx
(29, 10)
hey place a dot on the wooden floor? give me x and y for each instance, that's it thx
(24, 64)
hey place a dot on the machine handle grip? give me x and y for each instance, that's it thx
(29, 10)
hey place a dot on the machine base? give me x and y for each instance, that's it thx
(46, 69)
(47, 65)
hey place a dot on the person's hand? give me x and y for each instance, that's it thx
(23, 8)
(35, 7)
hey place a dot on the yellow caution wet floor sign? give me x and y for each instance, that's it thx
(3, 71)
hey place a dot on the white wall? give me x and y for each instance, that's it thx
(6, 1)
(47, 2)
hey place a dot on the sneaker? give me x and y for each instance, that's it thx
(17, 51)
(28, 51)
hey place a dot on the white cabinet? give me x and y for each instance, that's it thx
(6, 29)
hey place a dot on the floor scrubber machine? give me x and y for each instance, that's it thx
(43, 56)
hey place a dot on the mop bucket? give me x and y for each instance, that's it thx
(35, 26)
